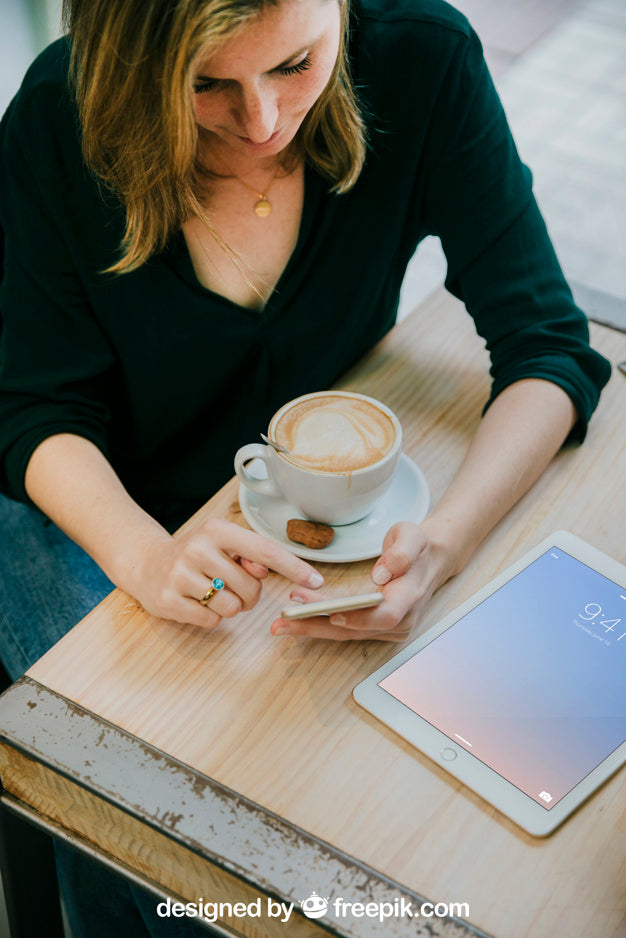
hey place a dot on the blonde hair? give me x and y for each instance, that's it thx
(132, 72)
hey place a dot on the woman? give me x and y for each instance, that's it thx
(203, 222)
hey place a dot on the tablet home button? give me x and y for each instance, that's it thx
(448, 754)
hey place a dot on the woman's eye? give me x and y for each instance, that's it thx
(296, 69)
(208, 85)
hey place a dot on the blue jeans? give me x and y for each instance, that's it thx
(47, 584)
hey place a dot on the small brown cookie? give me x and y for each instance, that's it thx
(312, 534)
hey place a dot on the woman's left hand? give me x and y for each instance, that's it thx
(411, 567)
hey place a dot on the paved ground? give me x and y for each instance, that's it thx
(563, 83)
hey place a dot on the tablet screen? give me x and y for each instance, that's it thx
(532, 680)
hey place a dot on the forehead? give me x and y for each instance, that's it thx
(268, 38)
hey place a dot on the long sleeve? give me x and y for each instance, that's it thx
(501, 263)
(54, 358)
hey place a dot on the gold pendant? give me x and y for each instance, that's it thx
(263, 207)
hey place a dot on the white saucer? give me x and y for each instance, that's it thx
(407, 499)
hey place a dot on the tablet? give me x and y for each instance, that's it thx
(521, 692)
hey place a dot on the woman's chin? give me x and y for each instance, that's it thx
(233, 146)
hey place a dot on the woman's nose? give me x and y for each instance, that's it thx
(258, 113)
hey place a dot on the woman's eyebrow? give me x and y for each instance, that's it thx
(282, 64)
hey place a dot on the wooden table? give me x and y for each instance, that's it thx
(235, 766)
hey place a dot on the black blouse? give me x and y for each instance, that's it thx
(166, 377)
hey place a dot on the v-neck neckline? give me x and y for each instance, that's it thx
(177, 252)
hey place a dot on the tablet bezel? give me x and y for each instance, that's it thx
(467, 768)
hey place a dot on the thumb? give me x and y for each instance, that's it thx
(402, 545)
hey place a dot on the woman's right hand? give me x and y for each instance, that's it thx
(175, 573)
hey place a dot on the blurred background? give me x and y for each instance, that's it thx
(560, 68)
(26, 27)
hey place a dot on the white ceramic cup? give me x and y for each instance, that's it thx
(331, 497)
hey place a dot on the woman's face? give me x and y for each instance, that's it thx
(253, 93)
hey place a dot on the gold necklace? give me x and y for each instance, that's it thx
(263, 207)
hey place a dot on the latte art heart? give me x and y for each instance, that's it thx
(335, 434)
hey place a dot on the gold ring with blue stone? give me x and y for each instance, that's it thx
(217, 584)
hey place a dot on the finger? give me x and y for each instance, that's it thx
(194, 572)
(403, 600)
(399, 597)
(206, 562)
(302, 595)
(320, 627)
(195, 585)
(235, 577)
(254, 569)
(237, 540)
(396, 613)
(402, 546)
(224, 603)
(190, 612)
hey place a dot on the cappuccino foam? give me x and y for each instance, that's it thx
(335, 434)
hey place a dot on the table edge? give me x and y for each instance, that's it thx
(250, 842)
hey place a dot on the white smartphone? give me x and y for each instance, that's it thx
(328, 606)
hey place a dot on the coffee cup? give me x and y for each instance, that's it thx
(343, 450)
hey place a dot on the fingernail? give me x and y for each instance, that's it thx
(281, 630)
(296, 599)
(315, 580)
(337, 619)
(381, 575)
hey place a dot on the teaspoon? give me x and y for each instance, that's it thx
(277, 446)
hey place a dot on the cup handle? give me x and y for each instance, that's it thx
(262, 486)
